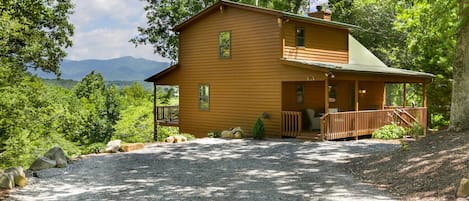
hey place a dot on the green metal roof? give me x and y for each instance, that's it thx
(361, 68)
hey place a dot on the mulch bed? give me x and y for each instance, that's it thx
(430, 168)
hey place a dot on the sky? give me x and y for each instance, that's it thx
(104, 27)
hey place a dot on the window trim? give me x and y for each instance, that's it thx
(200, 97)
(220, 56)
(296, 37)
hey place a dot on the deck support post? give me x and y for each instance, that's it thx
(155, 115)
(356, 109)
(404, 102)
(424, 94)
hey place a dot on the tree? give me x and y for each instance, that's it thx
(164, 15)
(460, 97)
(34, 33)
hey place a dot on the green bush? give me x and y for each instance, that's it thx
(188, 136)
(166, 131)
(415, 131)
(135, 124)
(214, 134)
(258, 131)
(438, 121)
(391, 131)
(94, 148)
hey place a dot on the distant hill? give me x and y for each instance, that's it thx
(123, 69)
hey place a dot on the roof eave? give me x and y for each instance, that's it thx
(154, 77)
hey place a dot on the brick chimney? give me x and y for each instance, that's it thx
(321, 14)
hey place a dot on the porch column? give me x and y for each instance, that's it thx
(356, 95)
(155, 104)
(326, 95)
(405, 95)
(424, 94)
(356, 110)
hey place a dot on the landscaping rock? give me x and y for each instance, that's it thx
(237, 135)
(113, 146)
(43, 163)
(227, 134)
(7, 181)
(18, 175)
(463, 190)
(58, 155)
(132, 147)
(169, 139)
(177, 139)
(238, 130)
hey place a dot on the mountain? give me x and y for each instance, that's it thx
(123, 68)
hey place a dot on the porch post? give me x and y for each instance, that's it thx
(405, 95)
(424, 93)
(155, 115)
(326, 95)
(356, 109)
(356, 95)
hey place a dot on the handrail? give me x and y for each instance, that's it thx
(291, 123)
(167, 113)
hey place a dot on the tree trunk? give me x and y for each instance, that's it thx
(460, 98)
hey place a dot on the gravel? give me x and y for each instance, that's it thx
(213, 169)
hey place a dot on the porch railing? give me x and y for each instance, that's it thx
(167, 114)
(357, 123)
(291, 123)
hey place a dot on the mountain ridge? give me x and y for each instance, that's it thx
(125, 68)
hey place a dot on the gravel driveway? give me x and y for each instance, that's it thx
(213, 169)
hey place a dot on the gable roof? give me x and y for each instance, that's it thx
(155, 77)
(276, 13)
(361, 60)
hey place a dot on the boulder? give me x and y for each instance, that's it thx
(113, 146)
(237, 135)
(238, 130)
(169, 139)
(463, 190)
(43, 163)
(183, 138)
(132, 147)
(7, 181)
(58, 155)
(227, 134)
(177, 139)
(18, 175)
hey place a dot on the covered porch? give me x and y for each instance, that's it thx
(342, 108)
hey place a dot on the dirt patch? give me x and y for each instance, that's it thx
(430, 168)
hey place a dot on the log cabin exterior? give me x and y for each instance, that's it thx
(275, 65)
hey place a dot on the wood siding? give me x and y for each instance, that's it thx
(322, 43)
(241, 87)
(313, 96)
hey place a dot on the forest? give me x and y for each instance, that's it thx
(35, 115)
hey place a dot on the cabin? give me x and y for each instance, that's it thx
(305, 76)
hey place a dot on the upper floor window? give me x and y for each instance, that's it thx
(300, 37)
(204, 96)
(224, 44)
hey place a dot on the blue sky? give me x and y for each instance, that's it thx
(104, 27)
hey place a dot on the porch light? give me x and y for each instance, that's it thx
(362, 91)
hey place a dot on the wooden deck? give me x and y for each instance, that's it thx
(167, 115)
(352, 124)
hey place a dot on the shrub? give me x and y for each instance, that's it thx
(214, 134)
(258, 131)
(94, 148)
(415, 131)
(166, 131)
(188, 136)
(391, 131)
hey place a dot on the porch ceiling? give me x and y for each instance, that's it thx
(358, 68)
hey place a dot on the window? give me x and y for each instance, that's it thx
(300, 37)
(204, 97)
(224, 44)
(300, 94)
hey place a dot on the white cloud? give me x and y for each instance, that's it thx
(104, 27)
